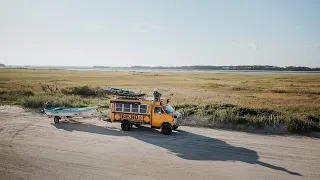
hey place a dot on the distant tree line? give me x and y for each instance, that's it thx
(243, 67)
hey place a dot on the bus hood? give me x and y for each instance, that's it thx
(176, 113)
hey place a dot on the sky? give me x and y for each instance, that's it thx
(160, 32)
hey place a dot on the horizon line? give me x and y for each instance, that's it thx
(145, 66)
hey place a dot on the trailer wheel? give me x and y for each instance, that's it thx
(166, 129)
(126, 125)
(56, 119)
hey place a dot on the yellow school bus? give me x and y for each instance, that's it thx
(157, 114)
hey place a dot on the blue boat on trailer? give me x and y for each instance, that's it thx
(59, 112)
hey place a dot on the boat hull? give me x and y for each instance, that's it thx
(71, 112)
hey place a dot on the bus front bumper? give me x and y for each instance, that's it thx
(177, 119)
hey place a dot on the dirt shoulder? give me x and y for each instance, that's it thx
(33, 147)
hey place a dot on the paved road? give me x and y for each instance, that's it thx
(33, 147)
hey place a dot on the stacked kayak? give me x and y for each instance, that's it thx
(123, 92)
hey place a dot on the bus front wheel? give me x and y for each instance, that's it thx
(166, 129)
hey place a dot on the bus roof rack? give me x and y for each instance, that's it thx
(129, 97)
(137, 98)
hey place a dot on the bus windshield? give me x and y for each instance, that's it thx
(168, 109)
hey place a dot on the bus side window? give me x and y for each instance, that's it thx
(158, 110)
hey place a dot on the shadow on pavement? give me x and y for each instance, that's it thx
(183, 144)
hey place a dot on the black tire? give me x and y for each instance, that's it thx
(175, 127)
(126, 125)
(166, 129)
(56, 119)
(137, 125)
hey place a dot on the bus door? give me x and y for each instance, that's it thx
(157, 118)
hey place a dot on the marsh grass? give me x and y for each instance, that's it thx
(84, 91)
(38, 101)
(255, 100)
(297, 91)
(246, 88)
(29, 99)
(256, 117)
(14, 95)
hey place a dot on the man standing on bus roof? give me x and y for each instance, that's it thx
(156, 95)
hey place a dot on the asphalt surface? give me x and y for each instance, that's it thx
(33, 147)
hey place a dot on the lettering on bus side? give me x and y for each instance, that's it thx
(131, 117)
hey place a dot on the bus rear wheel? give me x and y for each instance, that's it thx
(126, 125)
(166, 129)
